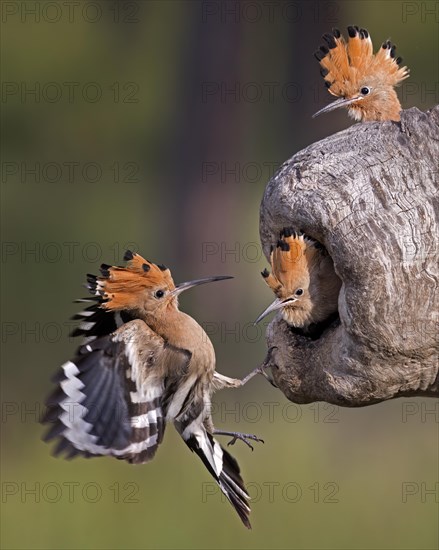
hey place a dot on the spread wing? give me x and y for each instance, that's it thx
(109, 398)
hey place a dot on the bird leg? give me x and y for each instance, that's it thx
(250, 375)
(237, 435)
(260, 370)
(220, 381)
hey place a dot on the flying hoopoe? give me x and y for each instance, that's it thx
(363, 82)
(303, 279)
(143, 363)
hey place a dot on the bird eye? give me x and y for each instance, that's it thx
(159, 293)
(364, 90)
(299, 292)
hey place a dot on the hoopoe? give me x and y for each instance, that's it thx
(303, 279)
(363, 82)
(143, 363)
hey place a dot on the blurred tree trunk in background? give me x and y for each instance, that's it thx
(209, 131)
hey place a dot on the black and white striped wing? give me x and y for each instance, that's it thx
(109, 398)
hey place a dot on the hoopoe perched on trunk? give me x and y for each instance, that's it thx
(143, 363)
(303, 279)
(363, 82)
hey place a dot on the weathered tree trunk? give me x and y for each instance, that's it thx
(368, 194)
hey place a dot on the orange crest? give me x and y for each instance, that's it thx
(346, 66)
(289, 259)
(119, 287)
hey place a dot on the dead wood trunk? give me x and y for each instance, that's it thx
(369, 195)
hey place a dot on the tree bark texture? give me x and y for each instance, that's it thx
(368, 194)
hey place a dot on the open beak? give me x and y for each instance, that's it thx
(186, 286)
(277, 304)
(342, 102)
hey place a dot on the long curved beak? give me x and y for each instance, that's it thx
(342, 102)
(186, 286)
(277, 304)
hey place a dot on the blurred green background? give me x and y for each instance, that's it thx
(156, 125)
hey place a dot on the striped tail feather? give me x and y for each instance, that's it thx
(221, 465)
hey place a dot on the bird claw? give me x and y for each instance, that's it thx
(241, 436)
(244, 437)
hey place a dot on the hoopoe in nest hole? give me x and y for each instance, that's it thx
(363, 82)
(303, 279)
(143, 363)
